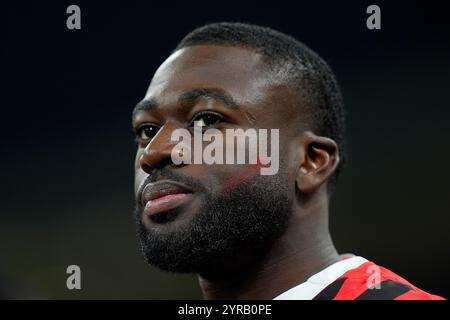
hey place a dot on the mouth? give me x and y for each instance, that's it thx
(162, 196)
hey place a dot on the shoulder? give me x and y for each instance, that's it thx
(373, 282)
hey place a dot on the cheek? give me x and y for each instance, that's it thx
(139, 174)
(139, 178)
(241, 174)
(137, 158)
(218, 179)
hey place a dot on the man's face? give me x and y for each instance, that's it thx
(210, 218)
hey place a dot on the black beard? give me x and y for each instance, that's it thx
(230, 233)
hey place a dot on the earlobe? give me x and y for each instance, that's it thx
(320, 160)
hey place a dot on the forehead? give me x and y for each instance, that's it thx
(236, 70)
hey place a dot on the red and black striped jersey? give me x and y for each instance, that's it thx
(356, 278)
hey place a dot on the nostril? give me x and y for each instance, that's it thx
(166, 162)
(146, 167)
(149, 165)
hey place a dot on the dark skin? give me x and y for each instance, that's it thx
(305, 247)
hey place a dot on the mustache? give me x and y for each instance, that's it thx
(167, 174)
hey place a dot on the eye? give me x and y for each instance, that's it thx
(206, 119)
(146, 132)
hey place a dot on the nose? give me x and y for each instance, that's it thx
(157, 154)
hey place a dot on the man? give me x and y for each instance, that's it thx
(248, 235)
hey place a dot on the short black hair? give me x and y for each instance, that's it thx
(297, 66)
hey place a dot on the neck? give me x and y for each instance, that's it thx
(304, 249)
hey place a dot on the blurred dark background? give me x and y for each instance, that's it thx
(67, 148)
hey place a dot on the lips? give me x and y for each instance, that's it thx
(162, 196)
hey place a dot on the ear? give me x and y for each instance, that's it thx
(320, 158)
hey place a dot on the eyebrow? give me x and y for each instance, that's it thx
(191, 97)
